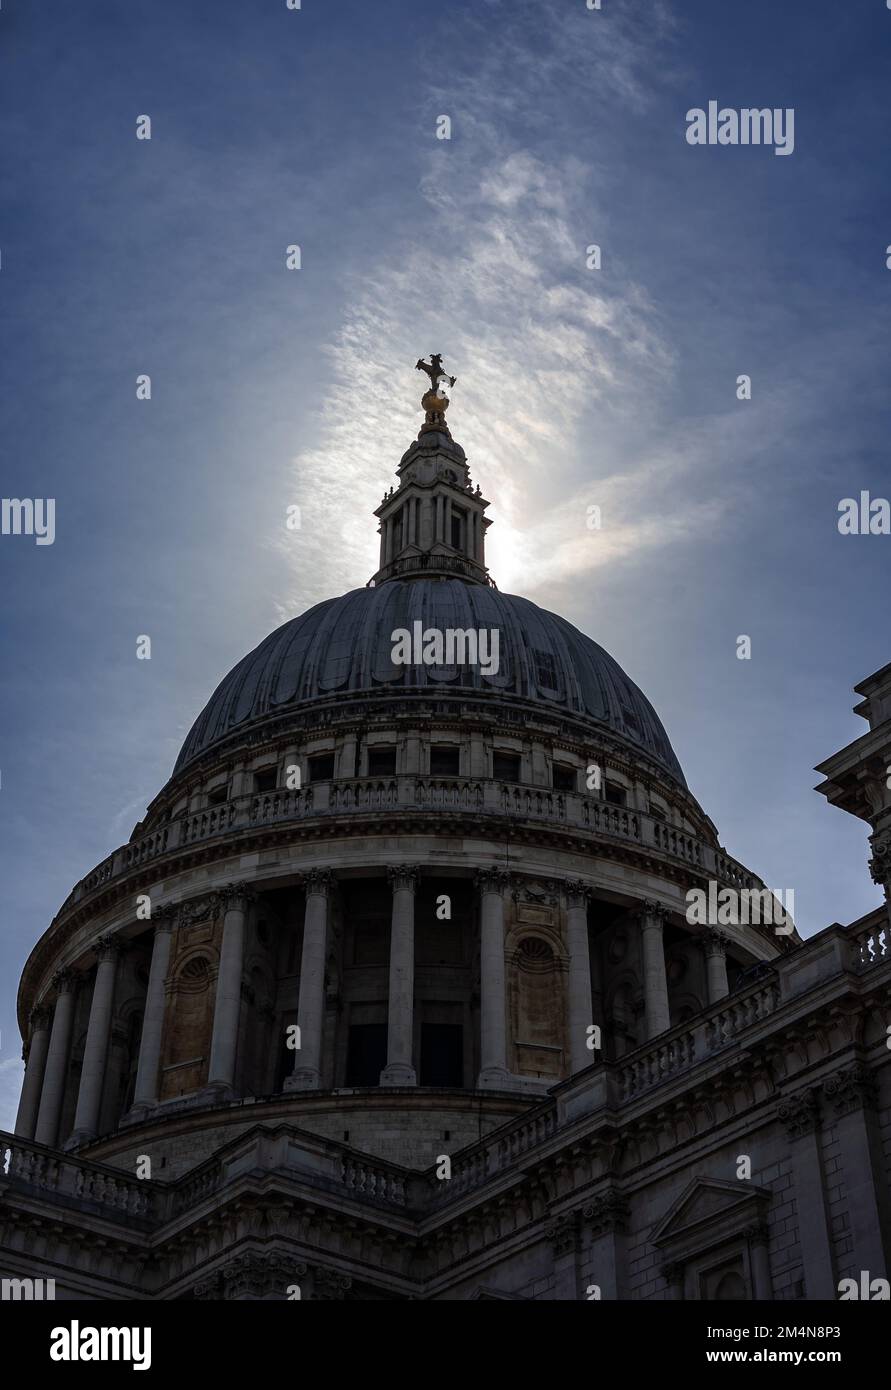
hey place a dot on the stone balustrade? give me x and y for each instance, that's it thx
(733, 1021)
(26, 1165)
(871, 946)
(372, 1181)
(473, 796)
(672, 1052)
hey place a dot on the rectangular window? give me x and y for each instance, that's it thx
(564, 778)
(366, 1054)
(381, 762)
(506, 767)
(442, 1054)
(321, 767)
(218, 795)
(444, 761)
(614, 794)
(266, 780)
(458, 521)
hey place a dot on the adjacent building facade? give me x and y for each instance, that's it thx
(395, 993)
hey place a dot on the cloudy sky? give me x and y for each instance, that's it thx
(614, 387)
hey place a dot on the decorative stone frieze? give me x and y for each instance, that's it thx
(403, 877)
(854, 1088)
(800, 1113)
(607, 1212)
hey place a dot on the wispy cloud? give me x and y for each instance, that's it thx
(493, 274)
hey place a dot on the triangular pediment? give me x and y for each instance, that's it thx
(710, 1207)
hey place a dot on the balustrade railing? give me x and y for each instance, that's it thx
(871, 946)
(29, 1165)
(369, 1180)
(476, 796)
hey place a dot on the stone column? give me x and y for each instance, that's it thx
(651, 917)
(58, 1057)
(714, 946)
(227, 1006)
(92, 1076)
(577, 895)
(801, 1114)
(853, 1095)
(493, 1013)
(606, 1218)
(400, 1011)
(307, 1073)
(147, 1072)
(757, 1237)
(565, 1238)
(35, 1065)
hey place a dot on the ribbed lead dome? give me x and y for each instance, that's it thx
(343, 647)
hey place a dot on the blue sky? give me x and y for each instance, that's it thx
(270, 388)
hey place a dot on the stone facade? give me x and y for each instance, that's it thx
(395, 994)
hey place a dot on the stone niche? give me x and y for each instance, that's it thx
(190, 993)
(537, 965)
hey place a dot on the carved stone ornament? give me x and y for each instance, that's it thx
(650, 912)
(537, 893)
(800, 1113)
(237, 895)
(108, 947)
(254, 1275)
(403, 877)
(606, 1213)
(578, 893)
(564, 1233)
(492, 880)
(202, 909)
(880, 863)
(40, 1019)
(319, 881)
(713, 943)
(854, 1088)
(330, 1286)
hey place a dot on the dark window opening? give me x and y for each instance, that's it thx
(442, 1054)
(321, 767)
(458, 518)
(444, 761)
(366, 1054)
(614, 794)
(506, 767)
(266, 780)
(564, 778)
(546, 670)
(218, 795)
(381, 762)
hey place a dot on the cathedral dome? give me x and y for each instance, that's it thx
(343, 647)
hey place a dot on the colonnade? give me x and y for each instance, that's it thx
(48, 1056)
